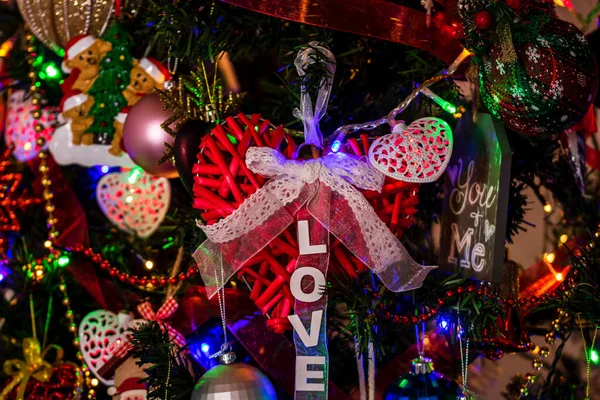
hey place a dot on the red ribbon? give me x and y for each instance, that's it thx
(164, 312)
(374, 18)
(588, 126)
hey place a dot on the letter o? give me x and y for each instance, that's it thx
(296, 284)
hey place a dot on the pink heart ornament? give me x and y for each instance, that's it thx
(20, 129)
(418, 153)
(137, 206)
(101, 332)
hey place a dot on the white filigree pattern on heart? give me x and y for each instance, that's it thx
(139, 207)
(100, 333)
(419, 153)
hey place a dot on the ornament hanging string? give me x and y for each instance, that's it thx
(225, 347)
(311, 116)
(360, 366)
(464, 359)
(588, 357)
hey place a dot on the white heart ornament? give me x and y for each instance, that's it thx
(137, 206)
(100, 333)
(418, 153)
(20, 131)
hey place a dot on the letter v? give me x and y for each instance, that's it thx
(312, 339)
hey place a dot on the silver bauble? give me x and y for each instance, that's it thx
(234, 382)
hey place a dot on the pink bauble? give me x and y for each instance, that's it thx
(143, 138)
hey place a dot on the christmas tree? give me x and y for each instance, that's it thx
(314, 164)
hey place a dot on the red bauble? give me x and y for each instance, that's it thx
(483, 20)
(514, 4)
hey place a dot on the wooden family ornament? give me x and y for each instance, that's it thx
(104, 82)
(476, 199)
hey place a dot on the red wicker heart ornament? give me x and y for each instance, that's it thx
(222, 182)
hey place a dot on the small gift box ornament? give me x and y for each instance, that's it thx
(35, 377)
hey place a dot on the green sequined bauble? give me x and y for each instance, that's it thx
(423, 383)
(550, 85)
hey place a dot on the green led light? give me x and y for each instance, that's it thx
(135, 174)
(403, 383)
(446, 106)
(449, 108)
(594, 356)
(63, 261)
(232, 139)
(38, 61)
(52, 71)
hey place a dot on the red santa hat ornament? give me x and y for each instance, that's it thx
(76, 45)
(155, 69)
(75, 99)
(130, 388)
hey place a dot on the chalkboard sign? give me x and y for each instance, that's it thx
(476, 188)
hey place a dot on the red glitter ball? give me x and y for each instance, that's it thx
(514, 4)
(483, 20)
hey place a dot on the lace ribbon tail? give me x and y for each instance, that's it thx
(239, 250)
(352, 220)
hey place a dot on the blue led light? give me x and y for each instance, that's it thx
(104, 169)
(443, 324)
(1, 277)
(205, 347)
(335, 146)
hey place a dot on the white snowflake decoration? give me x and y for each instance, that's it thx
(556, 89)
(533, 54)
(500, 67)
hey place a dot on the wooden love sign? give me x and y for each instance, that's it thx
(476, 199)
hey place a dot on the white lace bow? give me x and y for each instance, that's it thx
(344, 212)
